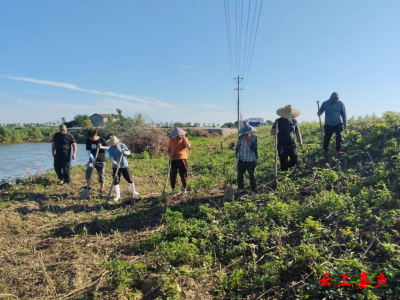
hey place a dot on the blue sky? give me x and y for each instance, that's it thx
(169, 59)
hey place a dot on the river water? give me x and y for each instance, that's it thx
(30, 158)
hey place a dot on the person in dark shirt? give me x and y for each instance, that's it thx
(92, 143)
(286, 127)
(61, 151)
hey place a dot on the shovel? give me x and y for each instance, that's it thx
(276, 183)
(320, 127)
(230, 191)
(164, 193)
(86, 192)
(115, 176)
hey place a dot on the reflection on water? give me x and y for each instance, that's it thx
(19, 159)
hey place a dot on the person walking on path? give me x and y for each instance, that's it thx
(246, 155)
(334, 109)
(178, 149)
(61, 151)
(93, 143)
(286, 127)
(114, 152)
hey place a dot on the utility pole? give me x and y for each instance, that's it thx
(238, 100)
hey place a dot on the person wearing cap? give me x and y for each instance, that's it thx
(92, 143)
(61, 151)
(334, 109)
(114, 152)
(178, 148)
(286, 127)
(246, 155)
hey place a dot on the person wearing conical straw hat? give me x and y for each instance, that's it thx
(114, 152)
(334, 109)
(286, 127)
(246, 154)
(178, 149)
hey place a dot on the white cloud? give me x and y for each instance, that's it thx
(186, 67)
(25, 102)
(76, 88)
(207, 105)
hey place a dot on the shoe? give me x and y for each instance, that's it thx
(117, 192)
(173, 194)
(132, 189)
(339, 153)
(101, 194)
(242, 190)
(253, 193)
(66, 183)
(61, 182)
(184, 193)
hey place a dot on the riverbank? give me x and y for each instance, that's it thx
(329, 215)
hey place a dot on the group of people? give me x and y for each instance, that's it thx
(286, 128)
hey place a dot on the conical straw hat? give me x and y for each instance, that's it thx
(247, 129)
(112, 141)
(177, 132)
(288, 112)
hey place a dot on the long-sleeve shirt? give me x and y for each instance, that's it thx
(246, 152)
(333, 112)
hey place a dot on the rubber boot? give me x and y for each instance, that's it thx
(132, 189)
(117, 192)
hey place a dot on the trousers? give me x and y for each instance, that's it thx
(125, 172)
(284, 154)
(182, 166)
(329, 130)
(62, 166)
(250, 167)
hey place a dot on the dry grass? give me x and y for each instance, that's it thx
(52, 244)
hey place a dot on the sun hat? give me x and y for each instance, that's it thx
(177, 132)
(113, 140)
(288, 112)
(247, 129)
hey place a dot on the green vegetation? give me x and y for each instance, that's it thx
(11, 134)
(335, 215)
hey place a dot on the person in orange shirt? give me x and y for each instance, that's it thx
(178, 148)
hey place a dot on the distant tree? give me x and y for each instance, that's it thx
(204, 124)
(87, 124)
(63, 120)
(228, 125)
(70, 124)
(138, 120)
(269, 122)
(213, 124)
(80, 119)
(196, 124)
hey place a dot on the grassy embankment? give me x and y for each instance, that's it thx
(335, 215)
(26, 134)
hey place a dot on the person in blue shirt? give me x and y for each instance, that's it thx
(334, 109)
(114, 152)
(246, 155)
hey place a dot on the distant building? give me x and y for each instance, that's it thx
(256, 121)
(99, 120)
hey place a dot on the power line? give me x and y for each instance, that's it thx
(228, 35)
(245, 43)
(251, 37)
(255, 37)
